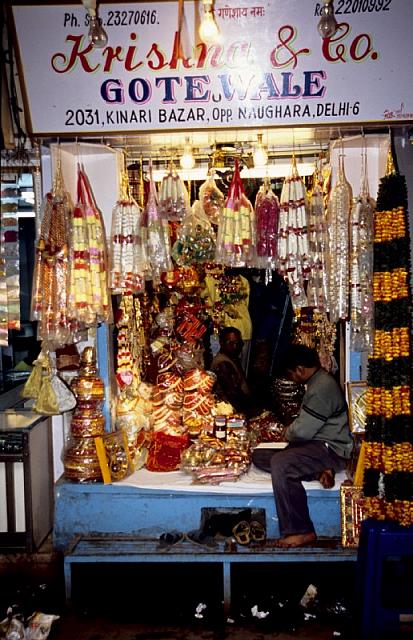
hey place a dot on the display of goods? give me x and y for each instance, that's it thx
(173, 197)
(287, 397)
(113, 454)
(236, 236)
(50, 289)
(293, 252)
(339, 208)
(361, 266)
(127, 259)
(80, 459)
(155, 236)
(89, 299)
(267, 210)
(196, 241)
(212, 199)
(266, 427)
(165, 451)
(317, 289)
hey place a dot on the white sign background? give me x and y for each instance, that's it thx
(270, 68)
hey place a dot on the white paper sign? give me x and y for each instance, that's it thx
(270, 68)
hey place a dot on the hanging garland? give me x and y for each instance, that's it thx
(388, 476)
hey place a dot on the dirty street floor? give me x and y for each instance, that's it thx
(182, 602)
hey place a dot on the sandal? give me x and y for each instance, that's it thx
(242, 532)
(171, 538)
(258, 532)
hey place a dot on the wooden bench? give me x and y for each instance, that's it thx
(132, 549)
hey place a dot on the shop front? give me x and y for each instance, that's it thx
(191, 186)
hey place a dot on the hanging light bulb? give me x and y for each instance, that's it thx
(208, 29)
(187, 160)
(97, 35)
(327, 25)
(260, 155)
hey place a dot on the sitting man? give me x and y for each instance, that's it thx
(231, 385)
(320, 443)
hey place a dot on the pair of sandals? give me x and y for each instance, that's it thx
(246, 532)
(172, 538)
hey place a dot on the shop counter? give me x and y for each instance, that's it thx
(147, 504)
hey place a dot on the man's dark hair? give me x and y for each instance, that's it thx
(226, 331)
(300, 354)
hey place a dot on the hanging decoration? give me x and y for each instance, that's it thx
(294, 262)
(50, 291)
(173, 197)
(155, 236)
(361, 265)
(339, 206)
(236, 228)
(127, 263)
(211, 198)
(388, 473)
(196, 239)
(130, 342)
(89, 300)
(267, 211)
(317, 289)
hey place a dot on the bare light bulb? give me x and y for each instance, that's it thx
(187, 160)
(208, 29)
(97, 35)
(260, 156)
(328, 24)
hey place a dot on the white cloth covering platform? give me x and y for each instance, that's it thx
(253, 482)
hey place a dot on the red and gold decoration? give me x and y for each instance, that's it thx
(388, 471)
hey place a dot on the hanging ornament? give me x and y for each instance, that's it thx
(361, 265)
(211, 198)
(292, 236)
(89, 300)
(267, 211)
(236, 228)
(173, 197)
(155, 236)
(51, 270)
(339, 207)
(126, 260)
(317, 289)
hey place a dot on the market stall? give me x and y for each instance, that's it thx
(141, 261)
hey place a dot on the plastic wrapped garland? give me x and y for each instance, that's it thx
(196, 241)
(89, 300)
(212, 199)
(361, 266)
(51, 269)
(126, 259)
(173, 197)
(236, 229)
(267, 211)
(156, 236)
(339, 207)
(317, 290)
(293, 254)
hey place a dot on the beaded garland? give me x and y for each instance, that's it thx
(388, 475)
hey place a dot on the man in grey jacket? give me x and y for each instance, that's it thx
(320, 444)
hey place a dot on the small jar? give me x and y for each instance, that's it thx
(220, 428)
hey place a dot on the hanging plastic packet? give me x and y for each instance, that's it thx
(317, 289)
(267, 211)
(51, 270)
(196, 241)
(157, 236)
(292, 236)
(89, 300)
(236, 228)
(126, 258)
(212, 199)
(173, 197)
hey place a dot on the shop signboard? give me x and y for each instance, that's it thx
(269, 68)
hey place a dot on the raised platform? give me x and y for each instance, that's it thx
(173, 503)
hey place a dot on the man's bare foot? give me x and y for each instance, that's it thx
(297, 540)
(327, 478)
